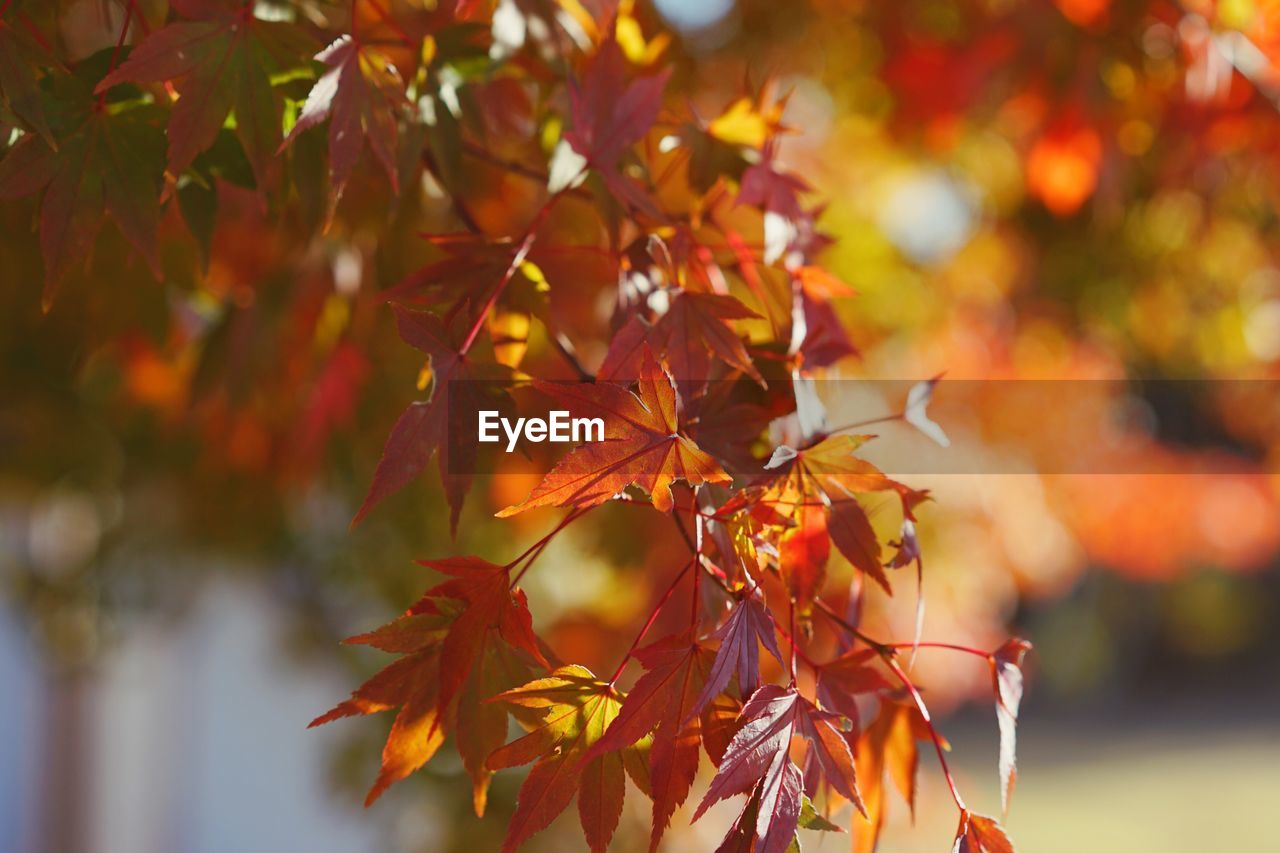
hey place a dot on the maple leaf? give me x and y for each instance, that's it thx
(107, 164)
(853, 536)
(609, 114)
(842, 680)
(888, 745)
(741, 837)
(662, 701)
(460, 388)
(803, 553)
(493, 609)
(18, 87)
(411, 684)
(470, 262)
(978, 834)
(573, 711)
(915, 412)
(220, 63)
(778, 194)
(466, 639)
(360, 94)
(823, 339)
(828, 475)
(759, 754)
(694, 328)
(644, 445)
(749, 625)
(719, 725)
(1006, 677)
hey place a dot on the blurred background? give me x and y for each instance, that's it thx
(1019, 189)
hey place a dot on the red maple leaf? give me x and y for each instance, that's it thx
(108, 165)
(749, 625)
(644, 445)
(219, 62)
(759, 755)
(662, 701)
(978, 834)
(1006, 678)
(466, 639)
(360, 94)
(694, 328)
(609, 114)
(423, 431)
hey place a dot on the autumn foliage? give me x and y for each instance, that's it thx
(721, 314)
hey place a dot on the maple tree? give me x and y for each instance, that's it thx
(721, 315)
(524, 120)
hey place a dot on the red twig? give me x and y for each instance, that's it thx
(534, 550)
(933, 732)
(4, 7)
(826, 610)
(883, 419)
(34, 32)
(653, 617)
(386, 18)
(697, 556)
(791, 637)
(522, 252)
(795, 648)
(969, 650)
(115, 54)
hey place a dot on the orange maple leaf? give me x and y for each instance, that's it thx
(644, 445)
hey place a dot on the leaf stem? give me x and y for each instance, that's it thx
(35, 33)
(795, 648)
(115, 54)
(653, 617)
(536, 549)
(4, 7)
(830, 613)
(883, 419)
(933, 731)
(386, 18)
(791, 628)
(697, 557)
(969, 650)
(526, 243)
(564, 347)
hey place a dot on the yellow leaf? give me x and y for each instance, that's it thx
(741, 124)
(510, 333)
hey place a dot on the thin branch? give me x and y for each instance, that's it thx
(386, 18)
(791, 638)
(969, 650)
(826, 610)
(883, 419)
(653, 617)
(933, 732)
(526, 243)
(536, 549)
(564, 347)
(796, 650)
(115, 53)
